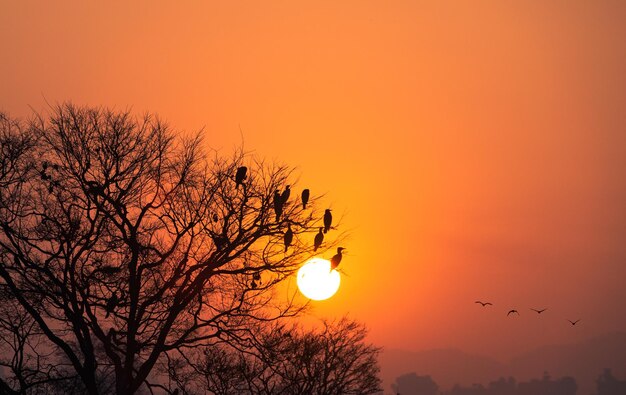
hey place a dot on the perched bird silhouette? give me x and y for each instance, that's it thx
(336, 259)
(319, 238)
(111, 304)
(573, 322)
(328, 220)
(539, 311)
(278, 205)
(240, 176)
(288, 237)
(285, 196)
(305, 198)
(42, 172)
(484, 303)
(511, 312)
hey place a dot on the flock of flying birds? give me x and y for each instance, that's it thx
(280, 199)
(514, 311)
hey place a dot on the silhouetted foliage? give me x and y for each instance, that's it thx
(123, 246)
(609, 385)
(423, 385)
(411, 383)
(332, 361)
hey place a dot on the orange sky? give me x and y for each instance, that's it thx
(477, 149)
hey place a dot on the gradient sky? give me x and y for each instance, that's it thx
(476, 149)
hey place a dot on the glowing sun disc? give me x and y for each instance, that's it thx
(316, 281)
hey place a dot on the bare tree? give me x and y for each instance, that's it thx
(332, 360)
(123, 244)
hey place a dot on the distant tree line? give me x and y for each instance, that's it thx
(412, 384)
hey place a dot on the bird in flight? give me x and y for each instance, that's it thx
(539, 311)
(484, 303)
(511, 312)
(573, 322)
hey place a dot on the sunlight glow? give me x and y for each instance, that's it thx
(316, 281)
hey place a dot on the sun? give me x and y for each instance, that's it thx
(316, 281)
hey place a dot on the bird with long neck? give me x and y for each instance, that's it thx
(336, 259)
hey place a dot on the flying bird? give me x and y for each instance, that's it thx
(328, 220)
(319, 238)
(111, 304)
(278, 205)
(240, 176)
(285, 195)
(511, 312)
(305, 198)
(336, 259)
(484, 303)
(573, 322)
(539, 311)
(288, 237)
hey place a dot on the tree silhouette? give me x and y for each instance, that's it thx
(607, 384)
(411, 383)
(124, 246)
(289, 361)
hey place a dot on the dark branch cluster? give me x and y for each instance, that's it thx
(122, 243)
(289, 361)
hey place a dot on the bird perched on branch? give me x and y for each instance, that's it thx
(305, 198)
(285, 195)
(111, 304)
(336, 259)
(319, 238)
(288, 237)
(240, 176)
(278, 205)
(328, 220)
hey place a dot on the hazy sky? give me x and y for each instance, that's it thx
(477, 149)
